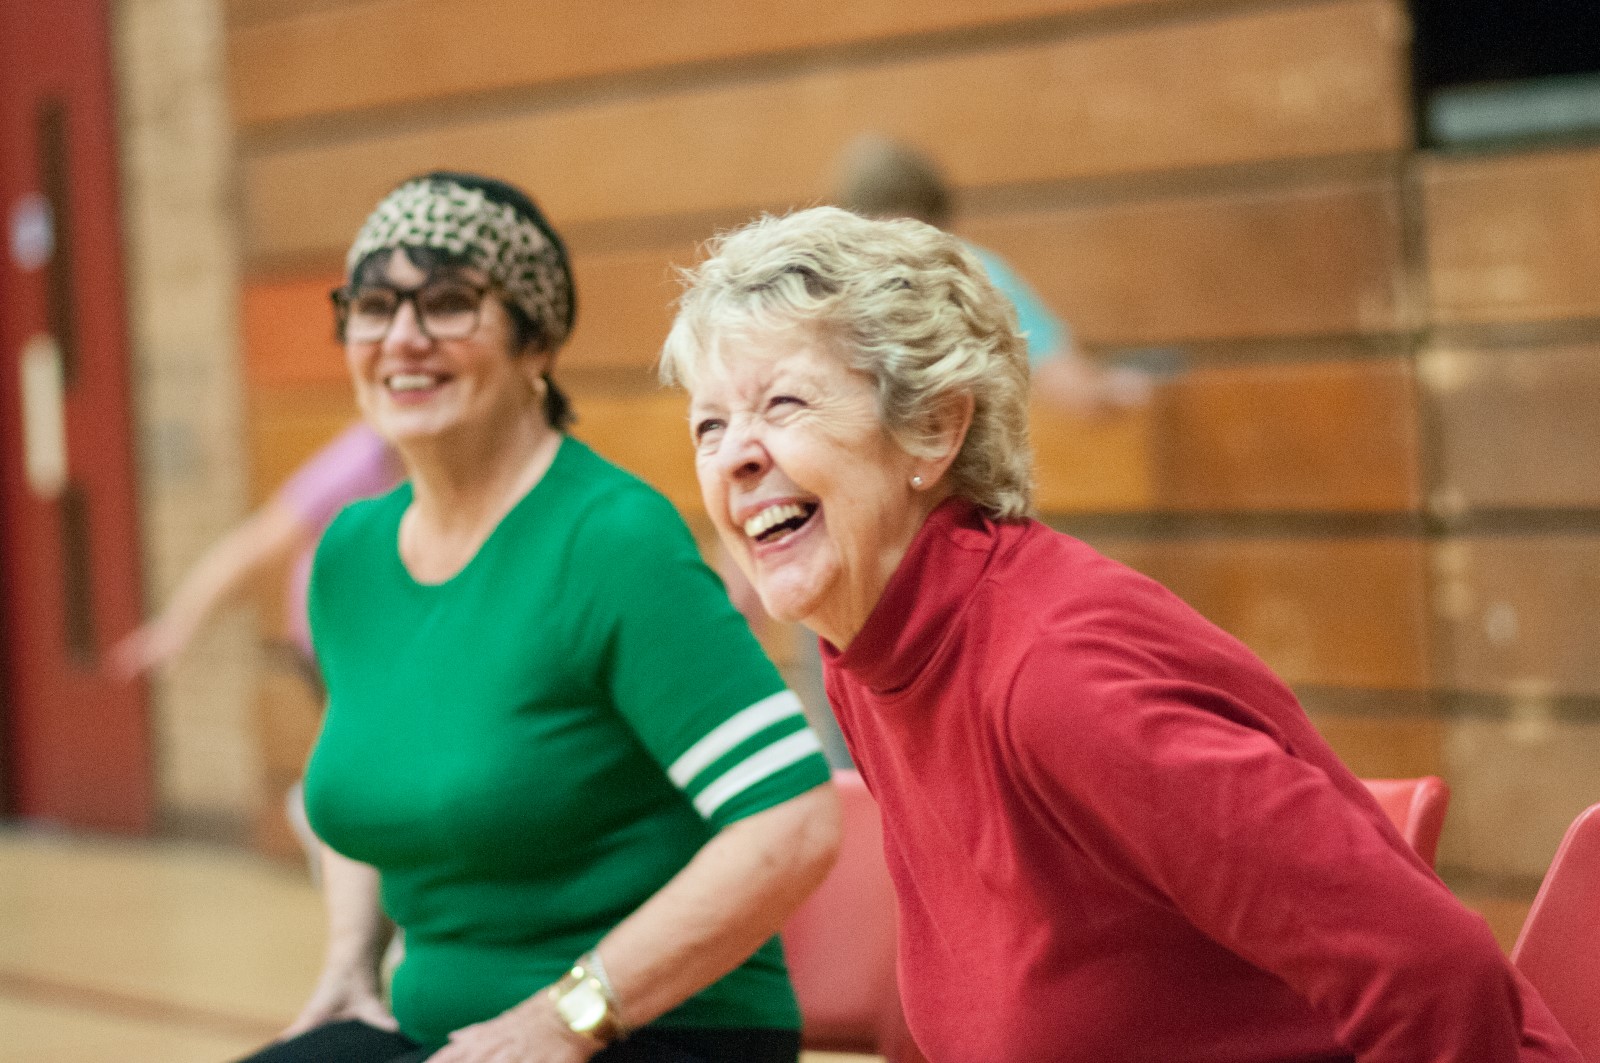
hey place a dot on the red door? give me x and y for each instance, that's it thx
(76, 747)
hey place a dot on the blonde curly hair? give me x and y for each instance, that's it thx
(902, 301)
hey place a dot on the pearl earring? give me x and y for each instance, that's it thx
(916, 481)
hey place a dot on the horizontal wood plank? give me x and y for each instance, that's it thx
(1515, 786)
(647, 434)
(1385, 747)
(1340, 612)
(1513, 238)
(626, 303)
(1301, 82)
(241, 13)
(1519, 615)
(1283, 262)
(1334, 436)
(329, 58)
(1091, 464)
(1518, 429)
(288, 332)
(288, 425)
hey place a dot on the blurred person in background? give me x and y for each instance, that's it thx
(284, 531)
(553, 753)
(883, 178)
(1113, 833)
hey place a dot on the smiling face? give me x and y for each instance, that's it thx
(413, 389)
(808, 490)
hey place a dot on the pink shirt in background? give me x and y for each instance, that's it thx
(357, 464)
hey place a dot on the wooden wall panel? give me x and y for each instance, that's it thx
(1300, 82)
(1517, 428)
(1337, 436)
(647, 434)
(1093, 464)
(1338, 612)
(1513, 238)
(288, 332)
(348, 57)
(288, 425)
(1515, 786)
(625, 306)
(1385, 747)
(1280, 262)
(1520, 614)
(246, 12)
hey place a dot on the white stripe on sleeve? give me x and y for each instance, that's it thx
(743, 724)
(756, 767)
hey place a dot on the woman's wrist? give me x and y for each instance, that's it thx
(586, 1003)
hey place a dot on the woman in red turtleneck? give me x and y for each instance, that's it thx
(1113, 832)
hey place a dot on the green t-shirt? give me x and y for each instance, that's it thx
(529, 750)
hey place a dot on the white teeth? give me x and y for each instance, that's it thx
(772, 516)
(412, 381)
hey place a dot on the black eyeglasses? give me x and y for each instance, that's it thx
(446, 309)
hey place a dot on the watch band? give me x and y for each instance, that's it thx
(590, 961)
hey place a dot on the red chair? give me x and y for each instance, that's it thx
(1416, 807)
(840, 944)
(1559, 947)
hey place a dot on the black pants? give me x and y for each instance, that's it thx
(356, 1042)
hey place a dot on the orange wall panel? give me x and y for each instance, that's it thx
(288, 332)
(1337, 436)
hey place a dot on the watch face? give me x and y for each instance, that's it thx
(583, 1007)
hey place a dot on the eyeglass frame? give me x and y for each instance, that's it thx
(342, 297)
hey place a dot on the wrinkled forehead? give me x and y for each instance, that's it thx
(736, 352)
(737, 366)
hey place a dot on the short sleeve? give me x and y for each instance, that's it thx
(687, 675)
(1195, 801)
(1046, 333)
(356, 464)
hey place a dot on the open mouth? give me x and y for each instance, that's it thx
(780, 521)
(402, 383)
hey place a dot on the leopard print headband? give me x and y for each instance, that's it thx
(516, 253)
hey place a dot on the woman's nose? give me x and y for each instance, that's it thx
(742, 455)
(405, 329)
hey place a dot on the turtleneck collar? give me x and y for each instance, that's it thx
(926, 594)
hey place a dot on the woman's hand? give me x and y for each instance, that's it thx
(339, 996)
(531, 1032)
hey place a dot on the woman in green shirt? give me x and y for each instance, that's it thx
(553, 755)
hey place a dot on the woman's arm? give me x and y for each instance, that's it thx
(358, 933)
(735, 894)
(268, 537)
(1183, 790)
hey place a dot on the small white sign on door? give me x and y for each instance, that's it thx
(44, 419)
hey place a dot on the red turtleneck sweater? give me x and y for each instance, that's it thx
(1116, 836)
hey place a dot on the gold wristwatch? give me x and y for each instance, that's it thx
(584, 1002)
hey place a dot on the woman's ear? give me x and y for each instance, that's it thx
(534, 363)
(947, 430)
